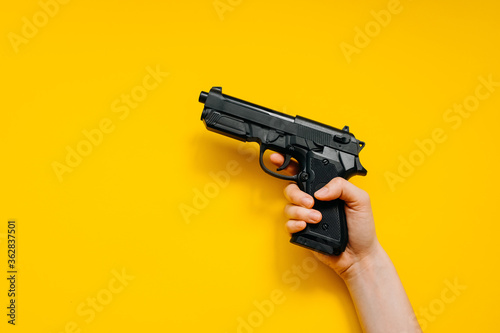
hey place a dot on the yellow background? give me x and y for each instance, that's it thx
(120, 208)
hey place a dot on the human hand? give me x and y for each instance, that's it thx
(363, 242)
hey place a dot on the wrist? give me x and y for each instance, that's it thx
(378, 294)
(366, 264)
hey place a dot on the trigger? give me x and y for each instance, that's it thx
(285, 164)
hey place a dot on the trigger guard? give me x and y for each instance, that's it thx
(275, 174)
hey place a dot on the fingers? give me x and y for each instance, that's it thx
(293, 226)
(298, 197)
(278, 159)
(341, 188)
(303, 214)
(299, 210)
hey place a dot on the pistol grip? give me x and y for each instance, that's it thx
(330, 235)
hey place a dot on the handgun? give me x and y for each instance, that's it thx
(321, 151)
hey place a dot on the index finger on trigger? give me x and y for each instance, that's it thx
(278, 159)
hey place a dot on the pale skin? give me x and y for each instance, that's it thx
(376, 290)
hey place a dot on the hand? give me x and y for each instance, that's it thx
(363, 241)
(378, 295)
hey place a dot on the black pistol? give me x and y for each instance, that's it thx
(322, 152)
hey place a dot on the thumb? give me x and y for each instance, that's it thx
(339, 188)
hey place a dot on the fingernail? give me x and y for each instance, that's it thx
(315, 216)
(322, 192)
(308, 202)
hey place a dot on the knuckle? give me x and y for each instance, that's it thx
(285, 190)
(292, 211)
(289, 189)
(337, 181)
(364, 196)
(334, 183)
(286, 210)
(296, 197)
(298, 212)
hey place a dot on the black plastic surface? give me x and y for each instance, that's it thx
(331, 231)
